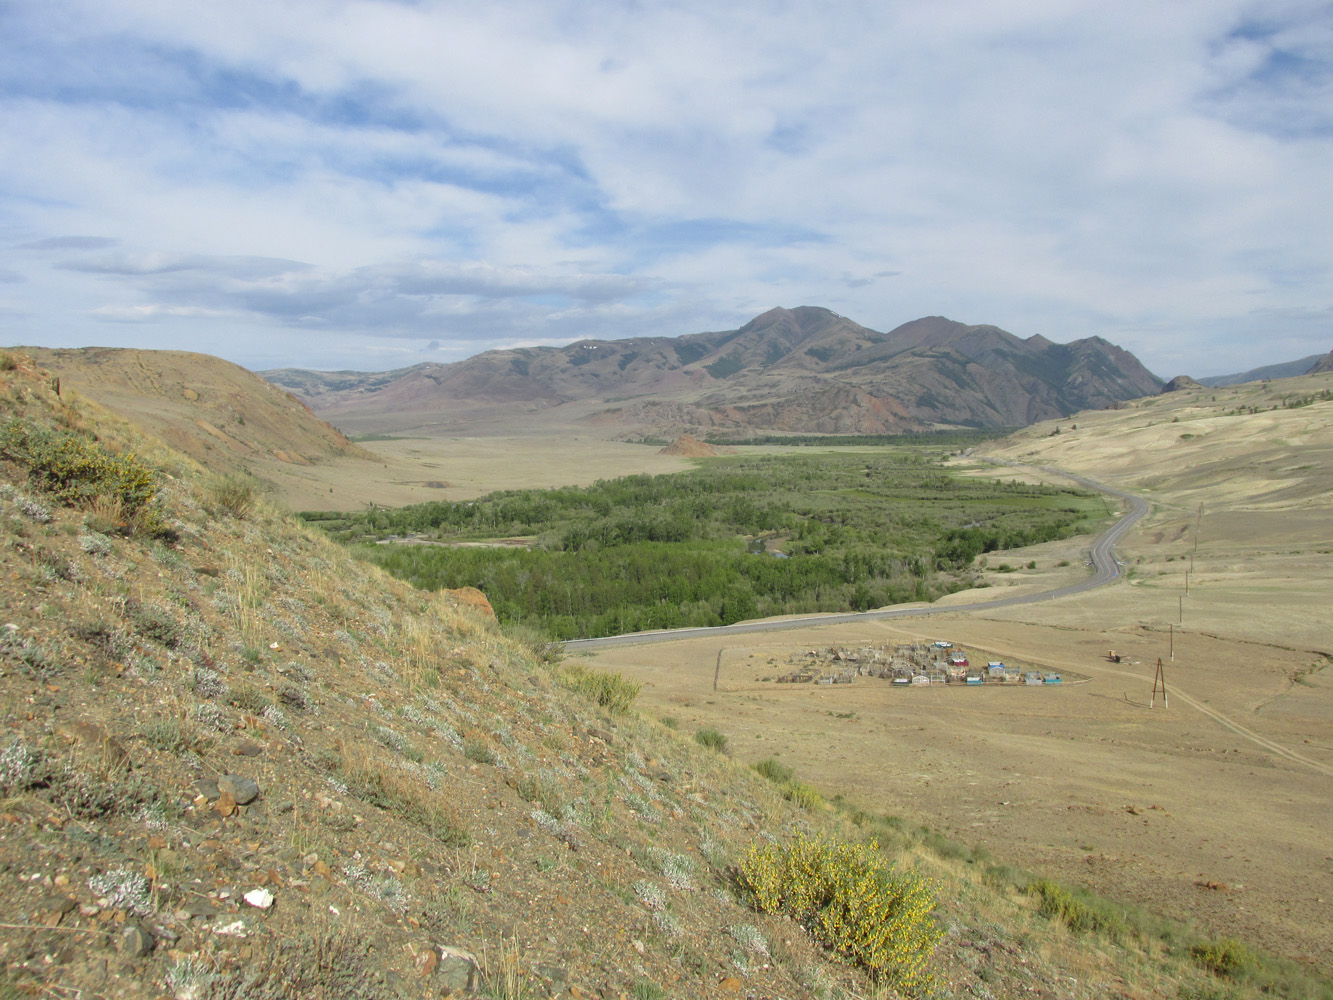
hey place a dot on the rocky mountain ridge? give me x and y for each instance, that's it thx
(801, 370)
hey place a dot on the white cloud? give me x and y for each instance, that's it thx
(536, 171)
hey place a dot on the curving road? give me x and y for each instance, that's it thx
(1105, 570)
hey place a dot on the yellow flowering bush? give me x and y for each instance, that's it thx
(78, 470)
(851, 900)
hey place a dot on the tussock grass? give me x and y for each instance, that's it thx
(409, 797)
(712, 738)
(609, 690)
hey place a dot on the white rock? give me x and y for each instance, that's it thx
(260, 898)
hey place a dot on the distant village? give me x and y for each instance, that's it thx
(918, 663)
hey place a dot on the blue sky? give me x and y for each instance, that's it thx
(369, 183)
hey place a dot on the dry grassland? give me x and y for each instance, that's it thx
(1217, 809)
(416, 470)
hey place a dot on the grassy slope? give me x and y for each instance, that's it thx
(425, 781)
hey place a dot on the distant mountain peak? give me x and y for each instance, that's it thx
(803, 369)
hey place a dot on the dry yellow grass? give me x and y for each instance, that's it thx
(1228, 786)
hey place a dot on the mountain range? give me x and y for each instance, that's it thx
(1311, 365)
(800, 370)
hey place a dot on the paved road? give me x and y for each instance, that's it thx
(1105, 566)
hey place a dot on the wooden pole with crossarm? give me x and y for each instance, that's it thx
(1159, 679)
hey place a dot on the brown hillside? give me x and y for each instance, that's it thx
(219, 414)
(1181, 383)
(689, 447)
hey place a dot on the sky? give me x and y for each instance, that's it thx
(368, 184)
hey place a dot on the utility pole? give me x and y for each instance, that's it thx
(718, 669)
(1172, 646)
(1159, 678)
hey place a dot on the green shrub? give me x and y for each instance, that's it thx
(852, 901)
(79, 471)
(711, 738)
(775, 771)
(1223, 957)
(612, 691)
(1077, 911)
(803, 795)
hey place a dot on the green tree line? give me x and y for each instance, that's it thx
(642, 552)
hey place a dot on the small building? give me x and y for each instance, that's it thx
(1032, 678)
(995, 671)
(959, 659)
(920, 679)
(1051, 678)
(974, 677)
(1012, 675)
(943, 644)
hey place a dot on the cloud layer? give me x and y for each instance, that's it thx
(364, 183)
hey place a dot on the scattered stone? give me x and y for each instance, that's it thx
(136, 940)
(247, 749)
(50, 910)
(259, 898)
(427, 962)
(730, 985)
(243, 790)
(459, 969)
(226, 804)
(554, 973)
(208, 788)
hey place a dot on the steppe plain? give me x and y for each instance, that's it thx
(1217, 809)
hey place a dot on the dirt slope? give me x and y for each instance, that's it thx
(219, 414)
